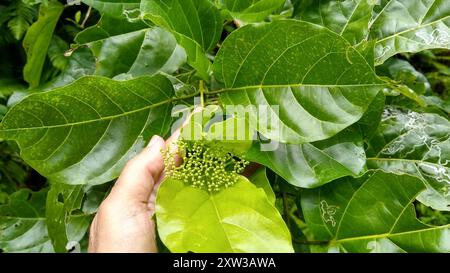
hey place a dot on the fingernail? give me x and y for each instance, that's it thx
(155, 139)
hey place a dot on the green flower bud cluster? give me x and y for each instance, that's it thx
(204, 166)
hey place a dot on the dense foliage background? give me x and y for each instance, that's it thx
(389, 153)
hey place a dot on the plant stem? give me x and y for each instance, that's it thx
(88, 13)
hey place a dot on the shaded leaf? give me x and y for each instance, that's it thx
(259, 178)
(403, 72)
(37, 41)
(22, 223)
(80, 63)
(56, 52)
(23, 16)
(115, 8)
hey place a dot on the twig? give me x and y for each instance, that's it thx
(88, 13)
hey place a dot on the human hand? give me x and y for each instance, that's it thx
(124, 220)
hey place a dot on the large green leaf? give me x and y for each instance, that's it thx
(133, 49)
(349, 18)
(372, 214)
(196, 24)
(237, 219)
(311, 165)
(417, 144)
(410, 26)
(251, 10)
(115, 8)
(85, 132)
(37, 41)
(319, 82)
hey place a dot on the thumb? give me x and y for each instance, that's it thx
(139, 175)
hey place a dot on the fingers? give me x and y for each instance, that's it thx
(138, 178)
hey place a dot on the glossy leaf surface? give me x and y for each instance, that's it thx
(311, 165)
(127, 49)
(410, 26)
(309, 92)
(349, 18)
(251, 10)
(372, 214)
(85, 132)
(196, 24)
(417, 144)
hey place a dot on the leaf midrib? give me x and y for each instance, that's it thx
(101, 118)
(412, 29)
(256, 87)
(386, 235)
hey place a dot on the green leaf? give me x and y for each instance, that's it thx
(132, 49)
(251, 10)
(115, 8)
(56, 52)
(23, 16)
(417, 144)
(233, 134)
(85, 132)
(349, 18)
(403, 72)
(237, 219)
(439, 103)
(259, 178)
(108, 27)
(80, 63)
(196, 24)
(8, 86)
(368, 124)
(410, 26)
(317, 80)
(372, 214)
(37, 41)
(314, 164)
(62, 200)
(22, 223)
